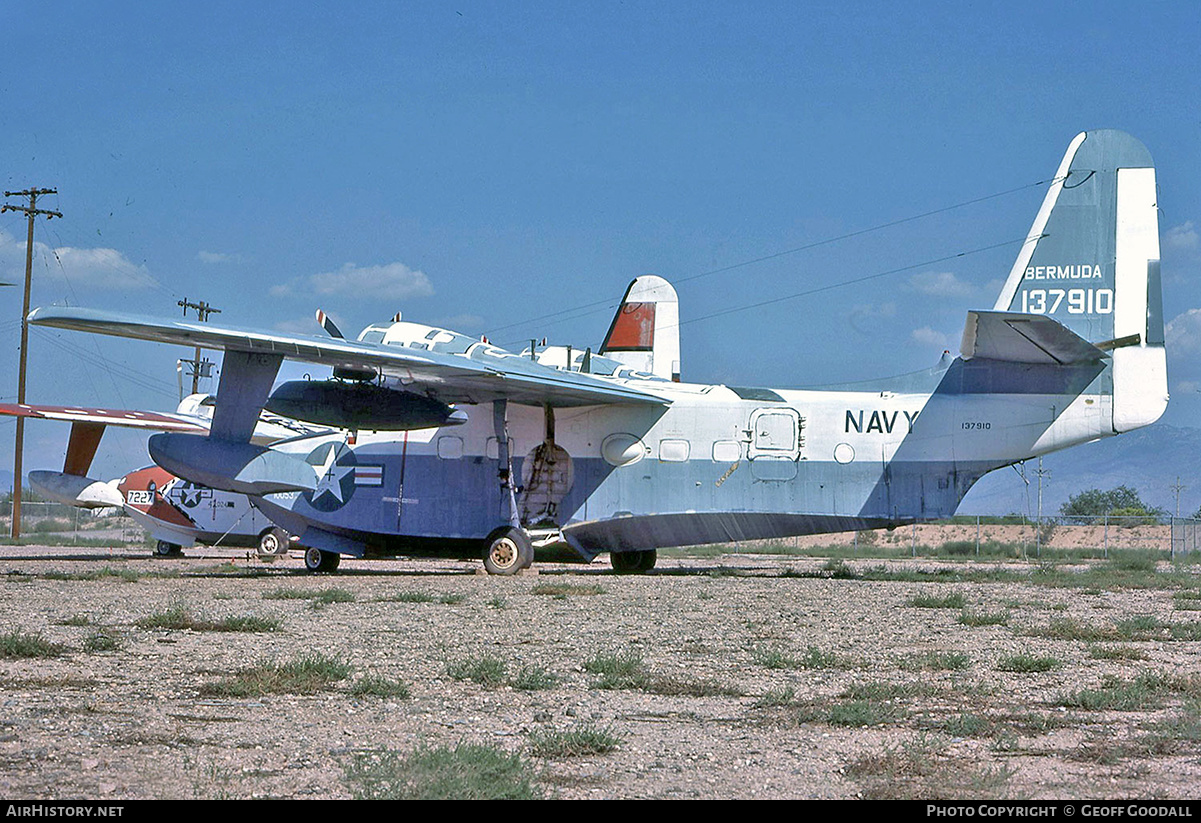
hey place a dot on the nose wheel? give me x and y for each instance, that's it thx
(507, 550)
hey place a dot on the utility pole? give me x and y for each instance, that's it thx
(200, 368)
(31, 211)
(1040, 473)
(1178, 488)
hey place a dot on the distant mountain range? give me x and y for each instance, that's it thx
(1148, 460)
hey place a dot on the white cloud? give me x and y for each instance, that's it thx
(927, 336)
(1183, 236)
(103, 268)
(864, 317)
(1183, 334)
(391, 281)
(940, 284)
(89, 268)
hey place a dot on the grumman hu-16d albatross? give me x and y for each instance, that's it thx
(463, 446)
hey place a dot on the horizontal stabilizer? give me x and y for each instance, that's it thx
(1024, 338)
(109, 417)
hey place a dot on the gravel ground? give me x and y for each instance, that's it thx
(763, 678)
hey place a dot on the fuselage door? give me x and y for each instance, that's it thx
(775, 433)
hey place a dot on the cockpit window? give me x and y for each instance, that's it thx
(766, 395)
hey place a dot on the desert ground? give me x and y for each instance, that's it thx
(731, 675)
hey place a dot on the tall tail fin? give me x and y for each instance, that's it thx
(1091, 262)
(645, 332)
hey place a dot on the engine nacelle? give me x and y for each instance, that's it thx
(360, 406)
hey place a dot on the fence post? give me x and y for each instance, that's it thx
(1105, 551)
(977, 535)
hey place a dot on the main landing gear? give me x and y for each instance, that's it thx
(316, 560)
(166, 549)
(633, 562)
(507, 550)
(273, 542)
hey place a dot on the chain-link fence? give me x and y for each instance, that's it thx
(1016, 537)
(58, 524)
(1186, 536)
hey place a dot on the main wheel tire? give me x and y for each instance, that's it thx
(316, 560)
(647, 560)
(633, 562)
(507, 550)
(273, 541)
(165, 549)
(625, 562)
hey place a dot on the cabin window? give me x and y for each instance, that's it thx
(727, 451)
(450, 447)
(492, 448)
(673, 451)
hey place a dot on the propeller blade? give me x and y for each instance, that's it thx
(327, 323)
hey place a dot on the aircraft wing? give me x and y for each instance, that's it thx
(155, 421)
(483, 374)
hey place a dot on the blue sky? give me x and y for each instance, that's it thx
(481, 165)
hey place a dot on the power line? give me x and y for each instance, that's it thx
(112, 367)
(597, 305)
(853, 281)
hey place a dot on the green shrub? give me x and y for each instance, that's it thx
(466, 772)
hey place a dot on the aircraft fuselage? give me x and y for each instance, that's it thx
(762, 462)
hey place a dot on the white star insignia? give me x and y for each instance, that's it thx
(329, 476)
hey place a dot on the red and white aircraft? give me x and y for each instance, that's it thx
(174, 511)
